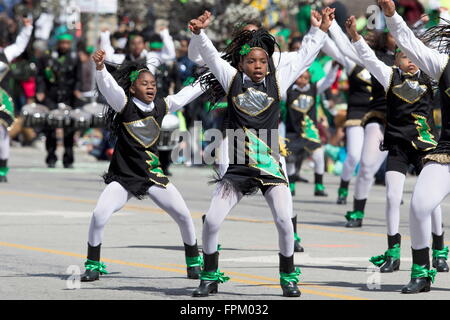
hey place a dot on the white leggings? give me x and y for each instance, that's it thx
(371, 159)
(394, 192)
(355, 142)
(432, 186)
(4, 143)
(277, 198)
(318, 158)
(114, 197)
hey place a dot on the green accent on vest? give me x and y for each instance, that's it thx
(424, 129)
(310, 131)
(7, 104)
(154, 165)
(260, 156)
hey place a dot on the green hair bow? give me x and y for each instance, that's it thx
(245, 50)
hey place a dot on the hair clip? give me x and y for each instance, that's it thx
(245, 50)
(134, 75)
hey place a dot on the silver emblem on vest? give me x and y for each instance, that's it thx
(145, 131)
(253, 102)
(4, 68)
(303, 103)
(409, 91)
(365, 76)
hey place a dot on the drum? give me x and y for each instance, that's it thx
(34, 115)
(169, 124)
(80, 119)
(97, 112)
(60, 117)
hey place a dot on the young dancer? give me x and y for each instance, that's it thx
(7, 54)
(373, 122)
(433, 183)
(135, 169)
(301, 126)
(253, 112)
(409, 136)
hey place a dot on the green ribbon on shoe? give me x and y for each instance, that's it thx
(343, 192)
(3, 171)
(422, 272)
(95, 266)
(393, 252)
(320, 187)
(296, 237)
(441, 253)
(214, 276)
(286, 278)
(354, 215)
(194, 261)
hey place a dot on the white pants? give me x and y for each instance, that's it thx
(355, 142)
(432, 186)
(4, 143)
(114, 197)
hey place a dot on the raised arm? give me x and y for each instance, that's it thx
(168, 51)
(221, 69)
(343, 43)
(429, 60)
(376, 67)
(14, 50)
(326, 82)
(307, 53)
(183, 97)
(105, 45)
(107, 85)
(331, 49)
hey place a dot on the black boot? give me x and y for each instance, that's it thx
(440, 253)
(343, 192)
(355, 217)
(206, 287)
(288, 276)
(392, 262)
(421, 276)
(297, 246)
(193, 261)
(319, 188)
(93, 255)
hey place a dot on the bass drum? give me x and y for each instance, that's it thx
(60, 117)
(34, 115)
(169, 124)
(80, 119)
(97, 111)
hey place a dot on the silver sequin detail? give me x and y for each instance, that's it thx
(303, 103)
(4, 68)
(365, 76)
(145, 131)
(410, 90)
(253, 102)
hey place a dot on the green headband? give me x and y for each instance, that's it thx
(65, 36)
(246, 49)
(135, 74)
(156, 45)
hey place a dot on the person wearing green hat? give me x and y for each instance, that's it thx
(58, 78)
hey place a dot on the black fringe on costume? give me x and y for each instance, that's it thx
(244, 185)
(138, 189)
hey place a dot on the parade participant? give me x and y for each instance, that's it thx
(301, 126)
(57, 81)
(373, 122)
(161, 49)
(135, 116)
(7, 54)
(253, 113)
(409, 136)
(432, 185)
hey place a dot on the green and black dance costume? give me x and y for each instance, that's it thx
(409, 136)
(7, 55)
(433, 182)
(251, 126)
(301, 129)
(135, 168)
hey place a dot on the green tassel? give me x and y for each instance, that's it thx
(354, 215)
(194, 261)
(393, 252)
(441, 253)
(286, 278)
(95, 266)
(422, 272)
(214, 276)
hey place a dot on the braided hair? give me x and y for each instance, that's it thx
(121, 73)
(260, 38)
